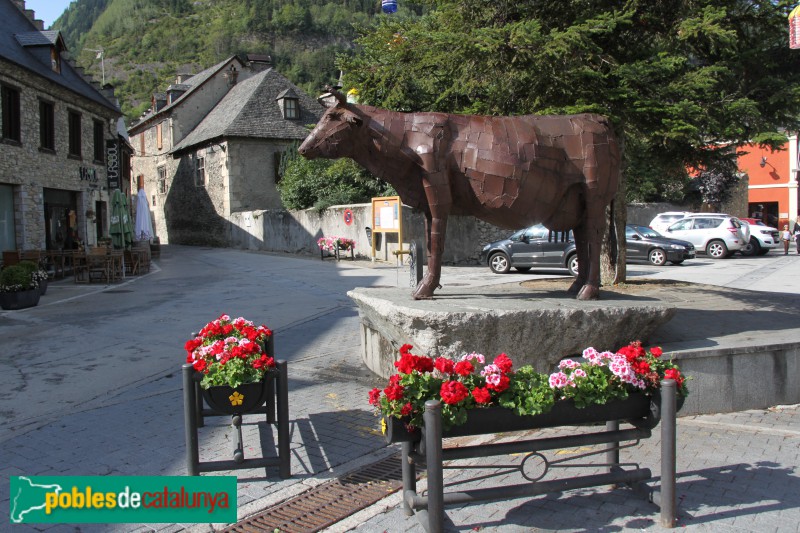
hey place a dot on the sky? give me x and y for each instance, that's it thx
(47, 10)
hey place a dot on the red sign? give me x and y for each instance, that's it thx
(348, 217)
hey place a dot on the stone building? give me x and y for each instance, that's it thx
(211, 145)
(59, 146)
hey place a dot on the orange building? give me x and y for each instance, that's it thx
(773, 182)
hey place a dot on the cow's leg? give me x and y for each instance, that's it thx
(437, 192)
(582, 249)
(594, 223)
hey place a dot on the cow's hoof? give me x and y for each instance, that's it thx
(422, 294)
(588, 293)
(576, 286)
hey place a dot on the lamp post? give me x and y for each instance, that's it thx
(100, 55)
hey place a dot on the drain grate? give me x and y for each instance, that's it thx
(326, 504)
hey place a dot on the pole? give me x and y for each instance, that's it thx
(668, 502)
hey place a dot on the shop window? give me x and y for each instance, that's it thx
(11, 114)
(74, 125)
(47, 126)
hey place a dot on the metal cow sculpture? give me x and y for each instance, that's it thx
(561, 171)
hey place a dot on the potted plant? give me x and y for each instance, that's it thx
(18, 288)
(333, 245)
(38, 274)
(480, 397)
(231, 354)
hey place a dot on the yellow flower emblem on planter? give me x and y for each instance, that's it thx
(383, 426)
(236, 398)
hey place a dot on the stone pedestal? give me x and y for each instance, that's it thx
(532, 326)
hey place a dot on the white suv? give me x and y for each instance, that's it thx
(717, 234)
(664, 220)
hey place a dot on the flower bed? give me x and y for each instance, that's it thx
(470, 383)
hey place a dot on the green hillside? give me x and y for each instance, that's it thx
(147, 41)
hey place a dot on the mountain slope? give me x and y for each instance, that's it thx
(145, 42)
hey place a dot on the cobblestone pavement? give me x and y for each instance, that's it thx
(737, 471)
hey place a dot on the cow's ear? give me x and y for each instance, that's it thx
(353, 119)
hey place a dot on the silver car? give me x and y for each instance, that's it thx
(718, 235)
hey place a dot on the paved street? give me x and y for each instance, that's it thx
(91, 386)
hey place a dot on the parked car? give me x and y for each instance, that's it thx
(537, 247)
(646, 244)
(762, 237)
(664, 220)
(716, 234)
(533, 247)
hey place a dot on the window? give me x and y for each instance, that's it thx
(162, 180)
(200, 172)
(99, 142)
(11, 114)
(159, 137)
(290, 108)
(47, 126)
(74, 124)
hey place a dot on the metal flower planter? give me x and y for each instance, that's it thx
(600, 434)
(637, 408)
(236, 401)
(268, 397)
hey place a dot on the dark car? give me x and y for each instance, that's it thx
(533, 247)
(537, 247)
(646, 244)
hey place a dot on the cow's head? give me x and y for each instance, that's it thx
(336, 132)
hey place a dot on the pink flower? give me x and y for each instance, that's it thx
(474, 355)
(558, 380)
(568, 363)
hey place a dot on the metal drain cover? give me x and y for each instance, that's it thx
(330, 502)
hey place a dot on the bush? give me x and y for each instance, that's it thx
(16, 278)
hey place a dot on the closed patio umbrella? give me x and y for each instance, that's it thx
(143, 229)
(120, 229)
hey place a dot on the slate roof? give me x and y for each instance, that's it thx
(191, 85)
(18, 41)
(250, 110)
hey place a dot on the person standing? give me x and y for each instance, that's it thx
(797, 233)
(786, 236)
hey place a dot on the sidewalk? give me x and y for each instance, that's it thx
(737, 471)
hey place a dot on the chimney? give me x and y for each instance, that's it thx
(159, 101)
(108, 92)
(39, 24)
(232, 74)
(182, 77)
(259, 62)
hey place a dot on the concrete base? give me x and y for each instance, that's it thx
(535, 327)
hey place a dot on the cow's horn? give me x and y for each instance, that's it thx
(339, 96)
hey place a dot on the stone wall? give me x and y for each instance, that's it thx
(30, 169)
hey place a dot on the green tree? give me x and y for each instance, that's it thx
(676, 77)
(321, 183)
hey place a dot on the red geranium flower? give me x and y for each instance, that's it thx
(481, 395)
(406, 410)
(404, 349)
(504, 363)
(445, 365)
(656, 351)
(394, 392)
(406, 363)
(672, 373)
(423, 364)
(375, 396)
(464, 368)
(500, 386)
(453, 392)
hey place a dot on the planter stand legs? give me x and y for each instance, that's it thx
(430, 509)
(276, 409)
